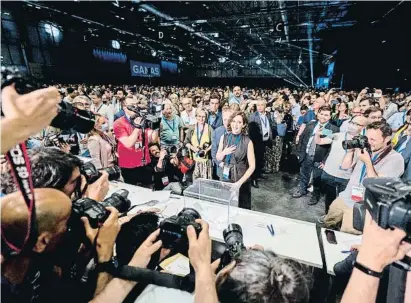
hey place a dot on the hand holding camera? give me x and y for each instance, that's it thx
(143, 254)
(105, 236)
(99, 189)
(199, 251)
(381, 247)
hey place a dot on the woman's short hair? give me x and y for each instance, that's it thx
(245, 121)
(262, 276)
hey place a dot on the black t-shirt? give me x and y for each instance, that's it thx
(162, 178)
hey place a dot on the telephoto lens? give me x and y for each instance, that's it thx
(119, 200)
(90, 172)
(233, 235)
(70, 117)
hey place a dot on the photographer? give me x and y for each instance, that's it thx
(29, 276)
(378, 159)
(198, 140)
(380, 247)
(166, 173)
(133, 157)
(26, 115)
(51, 167)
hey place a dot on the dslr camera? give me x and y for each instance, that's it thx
(96, 212)
(90, 172)
(149, 120)
(389, 203)
(201, 153)
(69, 117)
(179, 151)
(360, 142)
(173, 230)
(233, 237)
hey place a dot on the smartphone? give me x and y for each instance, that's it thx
(327, 132)
(330, 236)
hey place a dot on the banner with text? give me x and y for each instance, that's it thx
(143, 69)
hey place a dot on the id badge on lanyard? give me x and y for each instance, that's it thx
(357, 192)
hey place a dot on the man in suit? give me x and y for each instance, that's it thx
(215, 117)
(260, 132)
(403, 147)
(217, 134)
(312, 155)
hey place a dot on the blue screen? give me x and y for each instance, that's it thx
(169, 67)
(109, 55)
(330, 70)
(143, 69)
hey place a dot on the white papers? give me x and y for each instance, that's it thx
(179, 265)
(346, 244)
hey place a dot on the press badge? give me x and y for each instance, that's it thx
(174, 137)
(226, 172)
(357, 193)
(165, 180)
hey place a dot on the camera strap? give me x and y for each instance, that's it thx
(21, 172)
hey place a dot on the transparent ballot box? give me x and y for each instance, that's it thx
(222, 194)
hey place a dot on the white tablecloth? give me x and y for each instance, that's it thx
(293, 239)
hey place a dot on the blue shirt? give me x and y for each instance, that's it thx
(309, 116)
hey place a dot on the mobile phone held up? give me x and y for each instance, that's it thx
(330, 235)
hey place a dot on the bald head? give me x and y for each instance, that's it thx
(318, 103)
(53, 209)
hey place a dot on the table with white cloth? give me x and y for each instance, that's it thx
(293, 239)
(335, 253)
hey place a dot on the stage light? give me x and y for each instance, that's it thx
(181, 59)
(258, 61)
(222, 59)
(153, 53)
(115, 44)
(300, 61)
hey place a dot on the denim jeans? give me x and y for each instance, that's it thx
(308, 166)
(331, 187)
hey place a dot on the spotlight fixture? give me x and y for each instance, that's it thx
(222, 59)
(181, 59)
(300, 61)
(258, 61)
(115, 44)
(153, 53)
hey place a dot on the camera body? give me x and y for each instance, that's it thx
(173, 230)
(92, 174)
(233, 237)
(179, 151)
(389, 203)
(96, 212)
(201, 153)
(69, 117)
(149, 118)
(360, 142)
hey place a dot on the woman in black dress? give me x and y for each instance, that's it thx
(236, 153)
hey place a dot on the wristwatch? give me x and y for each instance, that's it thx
(108, 266)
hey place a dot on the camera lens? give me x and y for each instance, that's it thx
(82, 121)
(114, 172)
(190, 212)
(118, 200)
(233, 234)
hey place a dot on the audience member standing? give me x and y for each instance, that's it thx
(261, 135)
(216, 136)
(198, 140)
(311, 155)
(189, 114)
(171, 127)
(215, 118)
(99, 107)
(236, 151)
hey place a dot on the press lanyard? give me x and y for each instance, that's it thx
(199, 136)
(264, 121)
(99, 107)
(402, 146)
(363, 170)
(212, 116)
(237, 140)
(404, 117)
(172, 128)
(313, 133)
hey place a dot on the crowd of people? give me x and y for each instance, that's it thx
(241, 136)
(165, 137)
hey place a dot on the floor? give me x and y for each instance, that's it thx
(273, 197)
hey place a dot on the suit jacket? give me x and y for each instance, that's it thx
(255, 128)
(321, 151)
(216, 136)
(218, 120)
(406, 154)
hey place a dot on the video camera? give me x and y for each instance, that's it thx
(233, 237)
(68, 117)
(173, 230)
(149, 120)
(389, 203)
(96, 212)
(90, 172)
(360, 142)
